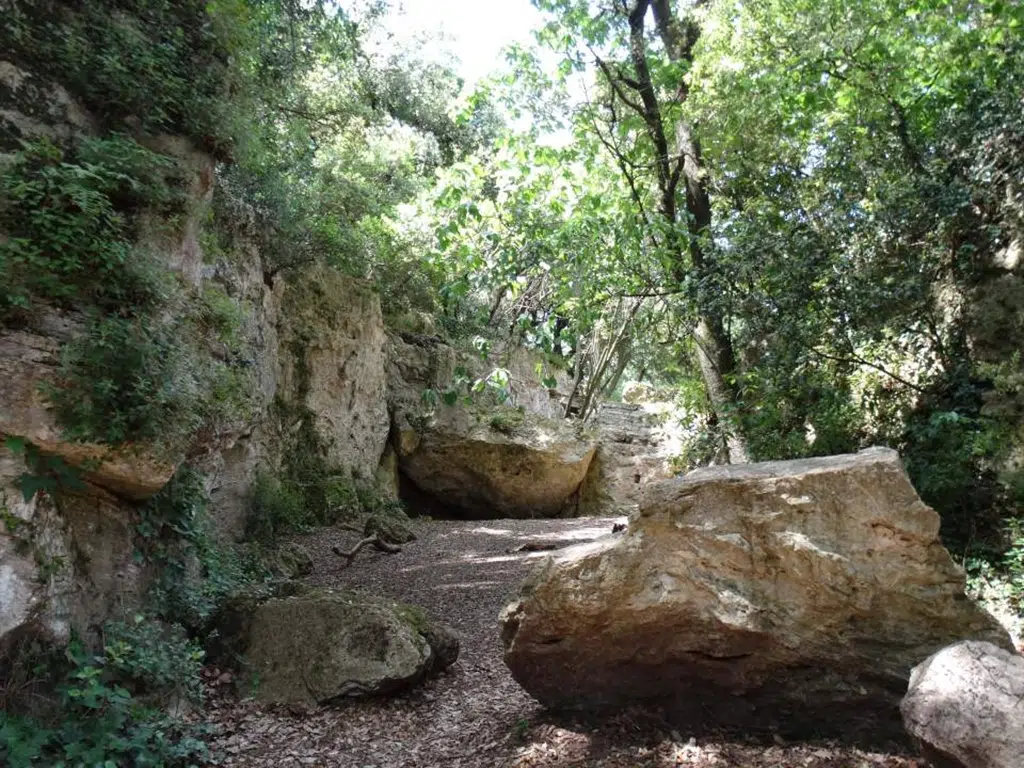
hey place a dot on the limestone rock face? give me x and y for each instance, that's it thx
(333, 332)
(28, 359)
(65, 563)
(322, 646)
(963, 707)
(485, 465)
(637, 443)
(416, 362)
(790, 594)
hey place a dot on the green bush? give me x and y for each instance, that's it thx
(111, 706)
(507, 419)
(159, 63)
(309, 493)
(198, 569)
(139, 379)
(127, 380)
(67, 217)
(157, 660)
(274, 506)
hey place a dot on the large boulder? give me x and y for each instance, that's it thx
(320, 646)
(478, 459)
(793, 594)
(493, 463)
(964, 707)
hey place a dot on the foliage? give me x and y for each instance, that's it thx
(158, 64)
(44, 473)
(308, 495)
(859, 162)
(157, 659)
(495, 388)
(111, 705)
(274, 506)
(129, 377)
(67, 217)
(198, 570)
(126, 380)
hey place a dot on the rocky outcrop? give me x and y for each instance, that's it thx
(28, 361)
(62, 556)
(333, 332)
(964, 707)
(417, 362)
(790, 594)
(637, 444)
(66, 560)
(480, 459)
(494, 463)
(321, 646)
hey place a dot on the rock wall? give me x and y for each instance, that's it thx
(313, 340)
(333, 332)
(67, 558)
(637, 444)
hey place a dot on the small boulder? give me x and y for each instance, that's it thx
(390, 528)
(965, 707)
(320, 646)
(290, 561)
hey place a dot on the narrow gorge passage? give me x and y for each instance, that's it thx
(475, 715)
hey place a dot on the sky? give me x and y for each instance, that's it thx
(475, 31)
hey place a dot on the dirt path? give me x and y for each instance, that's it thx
(475, 715)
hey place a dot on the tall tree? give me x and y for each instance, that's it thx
(663, 151)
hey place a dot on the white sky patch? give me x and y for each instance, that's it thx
(473, 33)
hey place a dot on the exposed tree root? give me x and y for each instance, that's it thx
(375, 540)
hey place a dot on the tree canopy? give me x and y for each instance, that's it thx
(794, 217)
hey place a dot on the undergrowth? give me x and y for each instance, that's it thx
(117, 705)
(140, 369)
(111, 707)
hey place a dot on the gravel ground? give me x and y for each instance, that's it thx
(475, 715)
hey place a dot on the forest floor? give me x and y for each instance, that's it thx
(475, 715)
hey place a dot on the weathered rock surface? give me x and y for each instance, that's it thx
(333, 330)
(476, 460)
(64, 563)
(965, 707)
(28, 360)
(320, 646)
(789, 594)
(637, 443)
(289, 561)
(416, 362)
(489, 465)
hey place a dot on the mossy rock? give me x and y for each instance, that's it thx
(319, 646)
(290, 561)
(389, 528)
(506, 419)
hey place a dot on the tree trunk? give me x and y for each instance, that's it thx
(682, 162)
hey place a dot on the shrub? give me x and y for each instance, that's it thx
(110, 705)
(274, 506)
(161, 63)
(157, 660)
(67, 220)
(127, 380)
(507, 419)
(198, 570)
